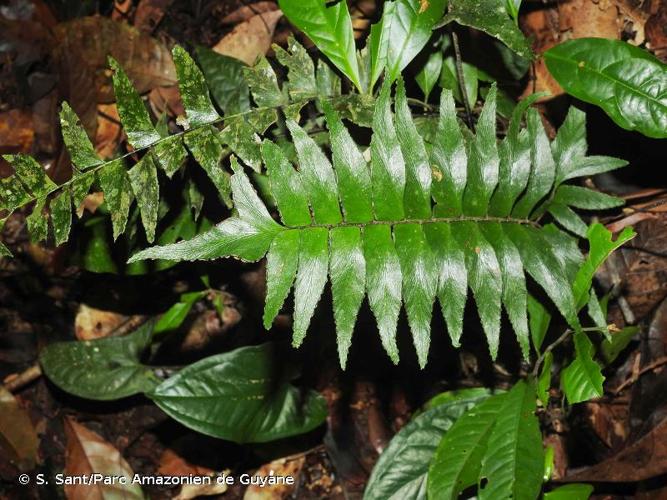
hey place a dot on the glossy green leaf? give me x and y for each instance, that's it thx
(543, 173)
(405, 29)
(281, 269)
(103, 369)
(458, 457)
(76, 140)
(330, 28)
(194, 91)
(286, 187)
(581, 197)
(539, 321)
(627, 82)
(311, 277)
(417, 196)
(133, 113)
(118, 194)
(450, 160)
(582, 379)
(31, 174)
(241, 396)
(173, 317)
(239, 135)
(593, 165)
(354, 179)
(224, 76)
(449, 79)
(38, 222)
(347, 269)
(491, 17)
(513, 462)
(601, 245)
(429, 74)
(612, 347)
(483, 161)
(143, 179)
(208, 151)
(401, 471)
(419, 284)
(383, 284)
(317, 176)
(569, 146)
(568, 218)
(575, 491)
(387, 163)
(61, 216)
(170, 154)
(452, 277)
(484, 279)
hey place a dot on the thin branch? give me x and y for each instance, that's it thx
(549, 348)
(461, 79)
(648, 368)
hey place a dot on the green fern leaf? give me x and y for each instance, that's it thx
(372, 229)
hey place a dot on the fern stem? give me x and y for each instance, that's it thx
(432, 220)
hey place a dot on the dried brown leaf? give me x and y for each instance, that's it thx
(91, 323)
(251, 38)
(18, 438)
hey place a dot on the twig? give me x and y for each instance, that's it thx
(549, 348)
(461, 79)
(650, 367)
(14, 383)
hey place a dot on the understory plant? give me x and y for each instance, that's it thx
(426, 210)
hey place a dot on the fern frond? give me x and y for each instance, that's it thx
(416, 223)
(207, 136)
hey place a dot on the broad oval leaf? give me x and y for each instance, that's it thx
(627, 82)
(241, 396)
(401, 471)
(103, 369)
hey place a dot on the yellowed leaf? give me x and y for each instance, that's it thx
(250, 39)
(278, 469)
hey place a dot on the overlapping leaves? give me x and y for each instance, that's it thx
(122, 184)
(416, 223)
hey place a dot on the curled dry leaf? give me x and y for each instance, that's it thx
(251, 38)
(91, 323)
(16, 131)
(18, 438)
(108, 130)
(87, 453)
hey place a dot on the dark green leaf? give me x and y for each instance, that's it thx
(625, 81)
(240, 396)
(514, 458)
(194, 92)
(429, 74)
(539, 320)
(301, 83)
(117, 193)
(330, 28)
(458, 457)
(224, 76)
(611, 348)
(491, 17)
(143, 179)
(449, 80)
(133, 114)
(101, 369)
(170, 154)
(61, 216)
(582, 379)
(208, 151)
(585, 198)
(401, 471)
(280, 272)
(78, 144)
(575, 491)
(31, 174)
(38, 222)
(242, 140)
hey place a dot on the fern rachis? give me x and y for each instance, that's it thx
(416, 223)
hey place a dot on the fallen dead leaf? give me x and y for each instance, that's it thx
(18, 437)
(16, 131)
(91, 323)
(285, 467)
(109, 130)
(87, 453)
(250, 39)
(172, 464)
(247, 11)
(149, 13)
